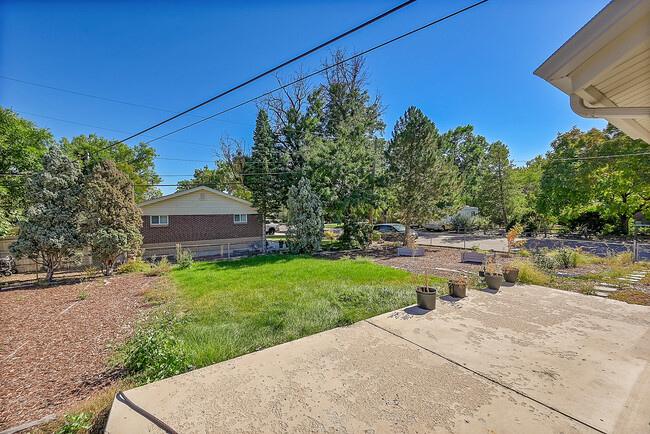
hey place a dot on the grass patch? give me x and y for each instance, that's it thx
(531, 274)
(236, 307)
(632, 296)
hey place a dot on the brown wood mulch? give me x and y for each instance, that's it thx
(53, 345)
(439, 261)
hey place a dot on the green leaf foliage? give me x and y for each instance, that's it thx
(112, 219)
(51, 227)
(22, 146)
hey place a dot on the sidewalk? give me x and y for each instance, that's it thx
(526, 359)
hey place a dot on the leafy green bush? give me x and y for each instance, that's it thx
(355, 234)
(529, 273)
(566, 258)
(184, 258)
(136, 265)
(462, 221)
(524, 252)
(75, 422)
(544, 261)
(154, 352)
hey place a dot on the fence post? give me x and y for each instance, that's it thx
(228, 250)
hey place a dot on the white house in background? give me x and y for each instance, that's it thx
(444, 224)
(605, 67)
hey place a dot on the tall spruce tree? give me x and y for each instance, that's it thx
(422, 179)
(112, 220)
(305, 224)
(263, 169)
(51, 227)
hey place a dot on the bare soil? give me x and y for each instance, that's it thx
(53, 344)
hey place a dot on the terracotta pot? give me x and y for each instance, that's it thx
(493, 281)
(426, 300)
(511, 275)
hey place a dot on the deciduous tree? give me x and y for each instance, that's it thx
(51, 227)
(112, 220)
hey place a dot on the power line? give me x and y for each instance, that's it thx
(272, 70)
(598, 157)
(108, 99)
(320, 70)
(104, 128)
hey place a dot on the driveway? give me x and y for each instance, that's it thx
(499, 244)
(526, 359)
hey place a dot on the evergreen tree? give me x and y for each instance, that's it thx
(422, 179)
(50, 230)
(112, 218)
(305, 223)
(263, 169)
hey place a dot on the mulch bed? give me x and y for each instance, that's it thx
(439, 261)
(53, 345)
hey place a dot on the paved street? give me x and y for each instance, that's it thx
(600, 248)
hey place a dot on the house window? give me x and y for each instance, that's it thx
(241, 218)
(158, 220)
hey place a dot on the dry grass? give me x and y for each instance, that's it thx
(98, 405)
(632, 296)
(529, 273)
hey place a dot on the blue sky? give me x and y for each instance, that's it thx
(475, 68)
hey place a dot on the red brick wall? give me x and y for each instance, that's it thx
(200, 227)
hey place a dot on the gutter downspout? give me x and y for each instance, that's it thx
(581, 109)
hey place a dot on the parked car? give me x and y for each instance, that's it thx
(437, 226)
(272, 227)
(393, 231)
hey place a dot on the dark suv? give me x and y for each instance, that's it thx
(393, 231)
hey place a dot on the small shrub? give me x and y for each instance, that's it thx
(136, 265)
(512, 236)
(82, 295)
(90, 272)
(162, 266)
(544, 261)
(566, 258)
(524, 252)
(184, 258)
(529, 273)
(376, 235)
(329, 235)
(76, 422)
(154, 352)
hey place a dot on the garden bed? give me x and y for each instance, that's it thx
(54, 341)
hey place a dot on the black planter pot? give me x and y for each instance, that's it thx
(459, 290)
(481, 273)
(494, 281)
(511, 275)
(426, 300)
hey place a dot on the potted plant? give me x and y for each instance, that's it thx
(493, 278)
(426, 295)
(510, 273)
(458, 287)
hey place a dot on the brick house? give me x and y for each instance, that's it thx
(201, 219)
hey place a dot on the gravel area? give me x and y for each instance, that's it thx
(53, 344)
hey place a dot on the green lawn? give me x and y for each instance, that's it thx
(236, 307)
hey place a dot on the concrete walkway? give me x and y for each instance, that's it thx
(526, 359)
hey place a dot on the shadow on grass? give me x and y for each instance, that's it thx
(250, 261)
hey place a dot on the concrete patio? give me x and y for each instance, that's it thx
(526, 359)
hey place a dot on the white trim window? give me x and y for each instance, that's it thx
(158, 220)
(240, 218)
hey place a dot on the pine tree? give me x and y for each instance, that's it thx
(306, 224)
(112, 219)
(497, 190)
(50, 231)
(422, 179)
(264, 164)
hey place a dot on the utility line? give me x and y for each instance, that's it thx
(104, 128)
(272, 70)
(108, 99)
(318, 72)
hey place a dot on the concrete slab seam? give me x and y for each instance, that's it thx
(492, 380)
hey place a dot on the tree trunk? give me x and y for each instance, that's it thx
(407, 233)
(50, 273)
(624, 223)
